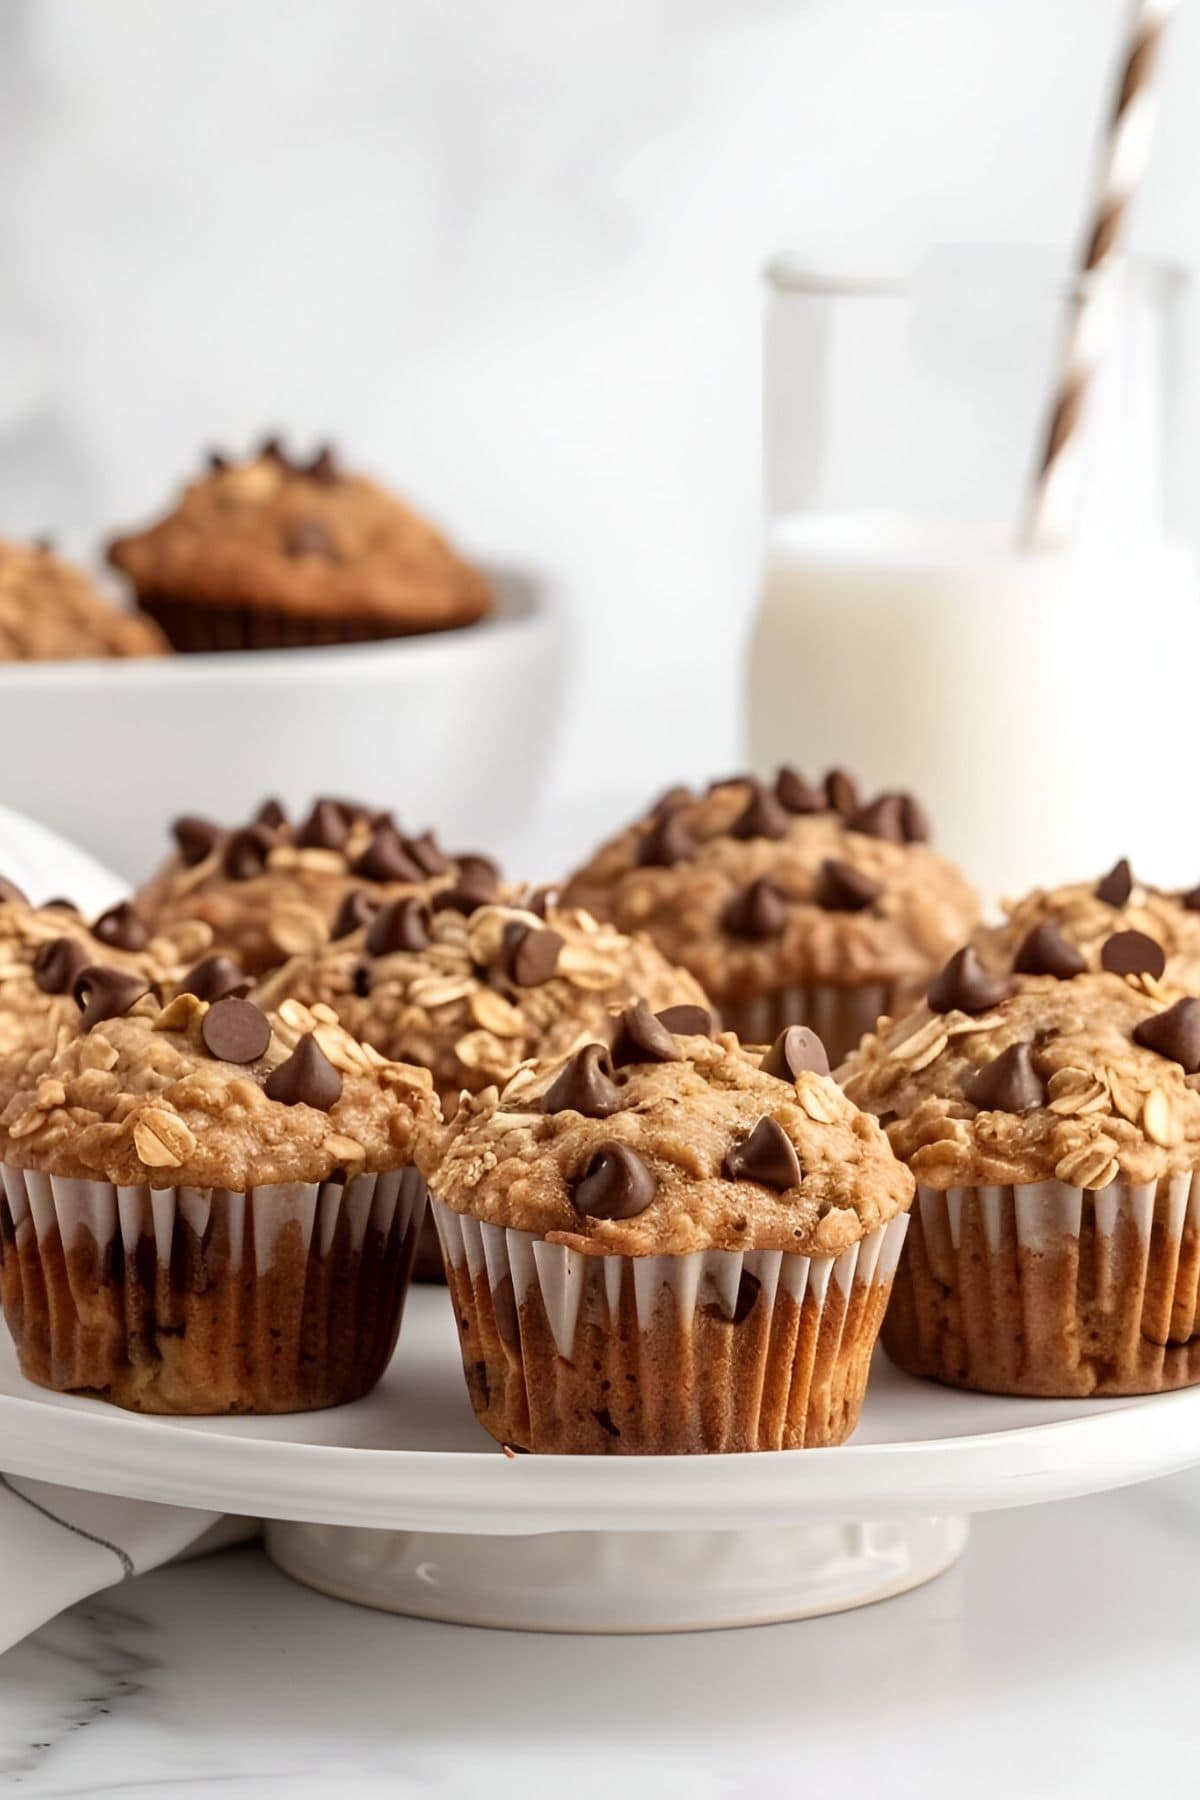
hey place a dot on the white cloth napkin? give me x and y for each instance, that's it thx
(58, 1546)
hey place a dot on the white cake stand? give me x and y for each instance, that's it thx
(402, 1502)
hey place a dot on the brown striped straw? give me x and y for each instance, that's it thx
(1054, 497)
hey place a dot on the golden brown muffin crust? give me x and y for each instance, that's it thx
(508, 1162)
(751, 896)
(50, 612)
(306, 540)
(1085, 1104)
(471, 1010)
(141, 1099)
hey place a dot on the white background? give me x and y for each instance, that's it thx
(507, 253)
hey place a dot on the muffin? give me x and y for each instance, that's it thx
(273, 553)
(790, 904)
(207, 1210)
(1088, 914)
(471, 997)
(271, 888)
(43, 949)
(50, 612)
(658, 1246)
(1052, 1121)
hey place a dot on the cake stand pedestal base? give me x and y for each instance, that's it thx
(619, 1581)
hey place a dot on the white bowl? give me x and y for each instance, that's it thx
(454, 730)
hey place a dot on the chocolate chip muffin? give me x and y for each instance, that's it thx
(273, 888)
(209, 1210)
(791, 904)
(664, 1244)
(274, 553)
(50, 612)
(1051, 1116)
(1092, 917)
(43, 952)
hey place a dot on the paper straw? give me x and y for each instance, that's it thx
(1054, 499)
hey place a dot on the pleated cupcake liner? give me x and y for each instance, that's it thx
(1052, 1290)
(664, 1355)
(840, 1016)
(286, 1298)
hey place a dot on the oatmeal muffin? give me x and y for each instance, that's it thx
(274, 553)
(1088, 914)
(274, 888)
(664, 1244)
(791, 904)
(209, 1210)
(43, 949)
(1051, 1117)
(50, 612)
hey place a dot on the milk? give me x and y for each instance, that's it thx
(1045, 707)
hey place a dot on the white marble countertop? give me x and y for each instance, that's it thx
(1058, 1659)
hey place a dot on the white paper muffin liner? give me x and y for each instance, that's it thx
(205, 1300)
(713, 1351)
(840, 1016)
(1047, 1289)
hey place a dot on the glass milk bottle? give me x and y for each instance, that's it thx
(1040, 704)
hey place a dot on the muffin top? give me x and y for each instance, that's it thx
(473, 997)
(1088, 913)
(49, 612)
(303, 539)
(212, 1095)
(753, 888)
(1069, 1074)
(662, 1143)
(44, 949)
(274, 888)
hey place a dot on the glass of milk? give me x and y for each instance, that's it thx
(1041, 704)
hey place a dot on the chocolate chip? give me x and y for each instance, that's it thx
(686, 1021)
(362, 981)
(246, 853)
(58, 963)
(1174, 1034)
(386, 859)
(235, 1031)
(641, 1037)
(584, 1085)
(1117, 885)
(478, 871)
(1132, 953)
(796, 1051)
(427, 853)
(307, 1078)
(916, 820)
(674, 796)
(217, 462)
(667, 842)
(762, 816)
(310, 537)
(215, 978)
(357, 909)
(615, 1185)
(1009, 1083)
(271, 814)
(964, 985)
(1045, 951)
(841, 793)
(195, 839)
(271, 450)
(767, 1156)
(464, 897)
(105, 993)
(59, 904)
(122, 927)
(325, 828)
(883, 818)
(404, 925)
(10, 891)
(1191, 899)
(843, 888)
(530, 953)
(759, 911)
(796, 794)
(323, 468)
